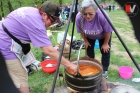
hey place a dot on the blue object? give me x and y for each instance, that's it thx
(96, 46)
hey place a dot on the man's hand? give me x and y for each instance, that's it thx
(74, 68)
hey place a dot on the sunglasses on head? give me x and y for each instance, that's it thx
(90, 14)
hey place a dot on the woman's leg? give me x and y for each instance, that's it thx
(18, 75)
(90, 49)
(105, 56)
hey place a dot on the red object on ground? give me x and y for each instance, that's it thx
(101, 4)
(49, 70)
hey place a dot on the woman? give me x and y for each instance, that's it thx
(28, 25)
(92, 25)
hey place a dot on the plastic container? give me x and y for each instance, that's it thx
(125, 72)
(96, 44)
(49, 69)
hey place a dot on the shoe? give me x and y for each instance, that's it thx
(30, 89)
(105, 74)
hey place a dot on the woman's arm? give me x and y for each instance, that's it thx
(85, 39)
(105, 46)
(54, 54)
(83, 36)
(107, 38)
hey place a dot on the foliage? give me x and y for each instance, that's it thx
(16, 4)
(10, 5)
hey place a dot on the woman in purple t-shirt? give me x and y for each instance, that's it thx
(28, 25)
(92, 25)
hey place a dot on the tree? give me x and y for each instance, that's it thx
(19, 1)
(103, 1)
(2, 12)
(60, 2)
(10, 6)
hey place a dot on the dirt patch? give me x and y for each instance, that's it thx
(114, 66)
(128, 36)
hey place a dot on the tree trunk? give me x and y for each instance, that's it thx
(19, 1)
(10, 6)
(36, 1)
(1, 6)
(60, 2)
(42, 2)
(2, 12)
(0, 17)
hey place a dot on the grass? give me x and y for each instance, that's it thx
(41, 82)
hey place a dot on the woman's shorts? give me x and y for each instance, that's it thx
(17, 73)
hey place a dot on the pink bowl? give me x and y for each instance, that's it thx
(125, 72)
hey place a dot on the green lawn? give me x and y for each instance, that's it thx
(41, 82)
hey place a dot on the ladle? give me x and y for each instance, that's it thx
(78, 71)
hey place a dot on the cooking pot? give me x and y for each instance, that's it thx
(84, 83)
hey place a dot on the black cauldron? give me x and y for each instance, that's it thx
(84, 83)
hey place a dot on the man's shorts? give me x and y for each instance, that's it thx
(17, 73)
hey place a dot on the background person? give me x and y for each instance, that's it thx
(28, 24)
(113, 7)
(63, 17)
(68, 11)
(95, 26)
(73, 11)
(109, 8)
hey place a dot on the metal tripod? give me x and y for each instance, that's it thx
(65, 35)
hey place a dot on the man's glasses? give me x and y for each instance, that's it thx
(90, 14)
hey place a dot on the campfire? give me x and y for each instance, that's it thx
(104, 87)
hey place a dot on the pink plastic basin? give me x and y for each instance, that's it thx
(125, 72)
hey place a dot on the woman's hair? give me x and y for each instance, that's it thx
(39, 9)
(88, 3)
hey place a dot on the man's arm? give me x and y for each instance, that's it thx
(54, 54)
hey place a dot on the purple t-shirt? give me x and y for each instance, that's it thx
(96, 28)
(25, 24)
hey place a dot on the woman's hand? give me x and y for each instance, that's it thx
(85, 40)
(87, 44)
(106, 48)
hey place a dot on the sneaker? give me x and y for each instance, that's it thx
(30, 89)
(105, 74)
